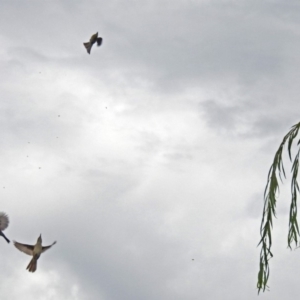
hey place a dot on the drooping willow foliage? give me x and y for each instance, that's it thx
(270, 197)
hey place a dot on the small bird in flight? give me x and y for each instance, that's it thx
(94, 38)
(4, 221)
(33, 250)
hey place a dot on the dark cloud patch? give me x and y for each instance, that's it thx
(274, 125)
(222, 118)
(181, 56)
(247, 120)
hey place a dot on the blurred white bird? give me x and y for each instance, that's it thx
(4, 221)
(33, 250)
(94, 38)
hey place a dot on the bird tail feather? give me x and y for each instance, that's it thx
(88, 47)
(32, 265)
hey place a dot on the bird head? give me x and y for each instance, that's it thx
(40, 238)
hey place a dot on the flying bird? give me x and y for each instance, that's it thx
(94, 38)
(33, 250)
(4, 221)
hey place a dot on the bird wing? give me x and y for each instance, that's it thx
(45, 248)
(99, 41)
(28, 249)
(4, 221)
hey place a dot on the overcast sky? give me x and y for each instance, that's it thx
(147, 160)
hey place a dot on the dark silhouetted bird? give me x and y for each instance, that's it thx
(33, 250)
(4, 221)
(94, 38)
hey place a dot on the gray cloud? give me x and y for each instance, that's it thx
(148, 153)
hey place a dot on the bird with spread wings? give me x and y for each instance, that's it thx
(33, 250)
(94, 38)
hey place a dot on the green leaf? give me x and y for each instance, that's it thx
(271, 193)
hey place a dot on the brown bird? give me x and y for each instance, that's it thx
(94, 38)
(4, 221)
(33, 250)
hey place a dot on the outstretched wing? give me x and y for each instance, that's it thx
(27, 249)
(48, 247)
(4, 221)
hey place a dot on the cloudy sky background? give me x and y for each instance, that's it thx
(149, 153)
